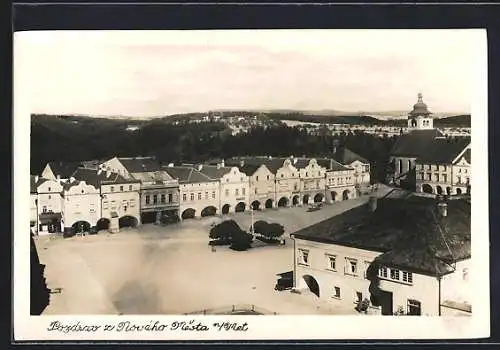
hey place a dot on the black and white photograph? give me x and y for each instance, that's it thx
(181, 179)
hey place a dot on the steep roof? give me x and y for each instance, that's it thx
(273, 163)
(443, 150)
(97, 178)
(344, 155)
(215, 172)
(249, 169)
(336, 166)
(408, 232)
(64, 169)
(140, 164)
(467, 155)
(187, 174)
(414, 143)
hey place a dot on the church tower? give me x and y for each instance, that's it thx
(420, 117)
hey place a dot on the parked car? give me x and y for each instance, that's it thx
(285, 281)
(314, 207)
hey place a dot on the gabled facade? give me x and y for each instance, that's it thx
(82, 206)
(199, 194)
(120, 198)
(50, 206)
(312, 181)
(340, 183)
(234, 187)
(288, 183)
(354, 161)
(262, 187)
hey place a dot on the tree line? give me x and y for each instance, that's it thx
(57, 139)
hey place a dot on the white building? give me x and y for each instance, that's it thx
(82, 206)
(50, 205)
(234, 187)
(352, 160)
(199, 194)
(120, 198)
(340, 183)
(408, 256)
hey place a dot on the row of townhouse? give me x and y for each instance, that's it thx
(406, 256)
(130, 191)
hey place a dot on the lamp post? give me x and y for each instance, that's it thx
(251, 214)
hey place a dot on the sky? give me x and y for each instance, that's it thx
(156, 73)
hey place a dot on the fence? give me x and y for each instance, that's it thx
(248, 309)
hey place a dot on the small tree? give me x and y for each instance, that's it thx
(273, 231)
(222, 232)
(260, 227)
(241, 240)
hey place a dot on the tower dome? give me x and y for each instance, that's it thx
(419, 108)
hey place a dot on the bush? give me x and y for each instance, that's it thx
(269, 231)
(241, 240)
(224, 230)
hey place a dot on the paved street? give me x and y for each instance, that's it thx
(172, 270)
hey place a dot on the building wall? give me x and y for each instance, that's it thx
(234, 188)
(423, 288)
(34, 210)
(47, 173)
(124, 199)
(327, 279)
(49, 197)
(288, 183)
(461, 175)
(198, 196)
(337, 182)
(402, 165)
(456, 286)
(438, 176)
(82, 202)
(420, 123)
(313, 181)
(361, 172)
(262, 186)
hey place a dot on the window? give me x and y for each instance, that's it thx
(184, 197)
(459, 179)
(199, 195)
(104, 205)
(465, 274)
(336, 292)
(50, 197)
(256, 178)
(162, 198)
(132, 203)
(445, 177)
(112, 188)
(242, 191)
(395, 274)
(121, 188)
(44, 209)
(407, 277)
(429, 176)
(382, 272)
(170, 198)
(429, 167)
(155, 199)
(49, 189)
(236, 192)
(281, 175)
(206, 195)
(192, 196)
(304, 256)
(331, 262)
(307, 174)
(130, 187)
(213, 194)
(227, 192)
(256, 191)
(113, 205)
(414, 307)
(295, 187)
(359, 297)
(351, 266)
(147, 199)
(268, 177)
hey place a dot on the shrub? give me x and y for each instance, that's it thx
(224, 230)
(241, 240)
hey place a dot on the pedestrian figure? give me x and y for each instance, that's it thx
(213, 249)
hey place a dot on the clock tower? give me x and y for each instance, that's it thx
(419, 118)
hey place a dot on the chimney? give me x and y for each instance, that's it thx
(108, 173)
(442, 209)
(171, 165)
(222, 163)
(242, 163)
(294, 161)
(58, 177)
(72, 179)
(372, 203)
(99, 172)
(36, 178)
(200, 166)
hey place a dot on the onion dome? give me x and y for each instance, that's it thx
(419, 108)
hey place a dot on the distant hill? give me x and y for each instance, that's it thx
(454, 121)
